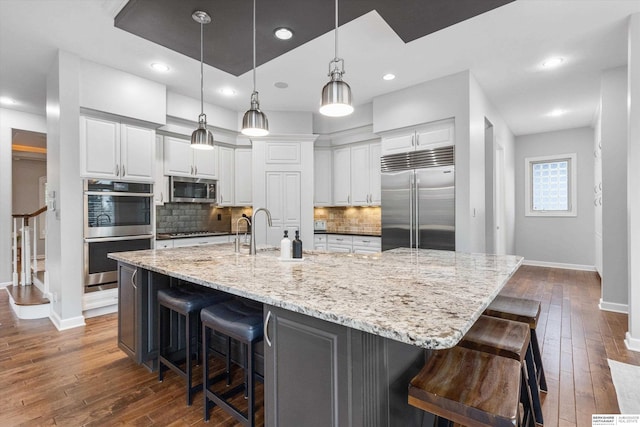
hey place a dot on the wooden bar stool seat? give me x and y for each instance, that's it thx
(510, 339)
(525, 311)
(469, 387)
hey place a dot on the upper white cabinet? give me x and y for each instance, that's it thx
(356, 175)
(243, 177)
(226, 176)
(182, 160)
(322, 177)
(425, 137)
(115, 150)
(161, 182)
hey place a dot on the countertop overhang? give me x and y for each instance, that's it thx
(425, 298)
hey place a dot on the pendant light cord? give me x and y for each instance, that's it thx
(254, 45)
(201, 68)
(336, 35)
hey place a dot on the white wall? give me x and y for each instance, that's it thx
(10, 119)
(614, 189)
(564, 240)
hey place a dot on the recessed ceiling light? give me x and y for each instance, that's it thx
(227, 91)
(7, 101)
(281, 85)
(158, 66)
(389, 76)
(552, 62)
(557, 112)
(283, 33)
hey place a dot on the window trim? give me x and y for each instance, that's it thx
(573, 185)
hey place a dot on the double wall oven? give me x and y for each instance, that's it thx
(118, 217)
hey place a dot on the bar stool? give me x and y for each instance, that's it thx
(240, 320)
(525, 311)
(509, 339)
(186, 301)
(468, 387)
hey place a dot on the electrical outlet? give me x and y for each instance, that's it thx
(219, 217)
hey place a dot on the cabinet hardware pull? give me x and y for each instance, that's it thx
(595, 202)
(161, 197)
(196, 169)
(418, 139)
(349, 199)
(117, 171)
(191, 169)
(123, 172)
(266, 328)
(413, 138)
(366, 241)
(133, 278)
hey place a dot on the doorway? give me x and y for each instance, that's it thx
(495, 236)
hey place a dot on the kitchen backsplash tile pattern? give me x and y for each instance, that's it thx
(186, 217)
(236, 213)
(359, 220)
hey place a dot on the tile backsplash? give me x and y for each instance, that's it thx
(360, 220)
(186, 217)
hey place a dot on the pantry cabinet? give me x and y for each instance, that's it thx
(182, 160)
(114, 150)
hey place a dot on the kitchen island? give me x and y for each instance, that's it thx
(347, 332)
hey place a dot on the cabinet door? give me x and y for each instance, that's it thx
(99, 148)
(205, 163)
(225, 181)
(374, 174)
(127, 310)
(310, 354)
(243, 177)
(399, 144)
(437, 135)
(360, 175)
(137, 153)
(342, 176)
(177, 157)
(322, 172)
(161, 182)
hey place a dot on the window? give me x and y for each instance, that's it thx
(551, 185)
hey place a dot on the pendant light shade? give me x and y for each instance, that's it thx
(336, 95)
(202, 138)
(254, 121)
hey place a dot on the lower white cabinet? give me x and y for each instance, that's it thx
(339, 243)
(366, 244)
(163, 244)
(320, 242)
(347, 243)
(191, 241)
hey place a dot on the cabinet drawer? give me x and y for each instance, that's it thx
(320, 242)
(367, 241)
(164, 244)
(199, 241)
(339, 239)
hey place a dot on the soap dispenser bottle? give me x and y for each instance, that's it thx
(297, 246)
(285, 246)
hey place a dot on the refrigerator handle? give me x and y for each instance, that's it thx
(411, 223)
(416, 195)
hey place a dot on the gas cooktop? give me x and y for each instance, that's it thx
(190, 234)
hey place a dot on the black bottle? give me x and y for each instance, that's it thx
(297, 246)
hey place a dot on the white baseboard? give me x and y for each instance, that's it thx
(94, 312)
(632, 344)
(5, 284)
(613, 306)
(63, 324)
(561, 265)
(93, 300)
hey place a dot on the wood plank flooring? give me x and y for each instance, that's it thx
(80, 377)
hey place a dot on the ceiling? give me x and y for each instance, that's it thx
(503, 48)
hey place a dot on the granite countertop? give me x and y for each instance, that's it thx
(425, 298)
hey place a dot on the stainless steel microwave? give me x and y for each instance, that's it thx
(193, 190)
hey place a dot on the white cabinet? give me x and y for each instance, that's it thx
(226, 176)
(243, 177)
(339, 243)
(366, 244)
(283, 201)
(426, 137)
(200, 241)
(115, 150)
(163, 244)
(322, 177)
(161, 182)
(356, 175)
(320, 242)
(182, 160)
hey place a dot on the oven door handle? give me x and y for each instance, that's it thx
(115, 239)
(117, 193)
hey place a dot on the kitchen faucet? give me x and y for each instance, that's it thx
(237, 242)
(252, 250)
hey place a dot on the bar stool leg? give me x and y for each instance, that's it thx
(542, 381)
(188, 357)
(533, 385)
(205, 370)
(228, 360)
(160, 343)
(251, 412)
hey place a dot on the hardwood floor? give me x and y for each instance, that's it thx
(80, 377)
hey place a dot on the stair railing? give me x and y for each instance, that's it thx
(24, 231)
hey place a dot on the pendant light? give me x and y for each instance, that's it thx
(254, 122)
(336, 95)
(201, 138)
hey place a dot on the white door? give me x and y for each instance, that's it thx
(243, 177)
(99, 148)
(137, 153)
(342, 176)
(177, 157)
(225, 183)
(360, 175)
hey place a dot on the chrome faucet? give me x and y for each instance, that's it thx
(237, 242)
(252, 250)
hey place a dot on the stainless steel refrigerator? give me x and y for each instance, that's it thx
(418, 199)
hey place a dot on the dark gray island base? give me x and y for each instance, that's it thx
(333, 354)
